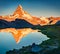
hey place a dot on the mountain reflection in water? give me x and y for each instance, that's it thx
(7, 42)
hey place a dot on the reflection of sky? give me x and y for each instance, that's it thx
(34, 7)
(7, 42)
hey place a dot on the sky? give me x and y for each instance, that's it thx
(34, 7)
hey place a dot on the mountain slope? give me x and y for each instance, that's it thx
(19, 13)
(52, 31)
(58, 23)
(18, 24)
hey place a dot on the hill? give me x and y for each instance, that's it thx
(18, 24)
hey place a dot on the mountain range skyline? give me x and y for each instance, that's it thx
(20, 13)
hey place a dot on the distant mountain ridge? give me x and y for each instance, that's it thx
(19, 13)
(18, 24)
(58, 23)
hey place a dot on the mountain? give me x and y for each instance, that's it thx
(58, 23)
(54, 20)
(18, 13)
(21, 14)
(18, 24)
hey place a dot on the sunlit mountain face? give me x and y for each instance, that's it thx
(21, 23)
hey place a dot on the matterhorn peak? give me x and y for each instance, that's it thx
(19, 6)
(19, 11)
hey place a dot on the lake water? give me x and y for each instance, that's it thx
(7, 41)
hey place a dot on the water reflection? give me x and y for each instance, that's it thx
(7, 42)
